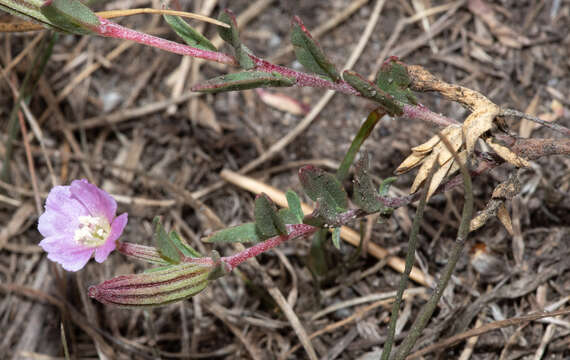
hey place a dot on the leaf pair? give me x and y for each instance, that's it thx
(268, 222)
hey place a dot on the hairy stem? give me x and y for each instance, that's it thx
(294, 231)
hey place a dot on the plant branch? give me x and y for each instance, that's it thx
(548, 124)
(294, 231)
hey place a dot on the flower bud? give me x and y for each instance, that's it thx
(157, 287)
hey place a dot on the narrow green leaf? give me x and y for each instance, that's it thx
(71, 16)
(231, 36)
(220, 268)
(165, 246)
(309, 53)
(319, 184)
(188, 33)
(371, 91)
(336, 238)
(325, 215)
(183, 246)
(295, 205)
(365, 194)
(242, 81)
(267, 221)
(242, 233)
(393, 78)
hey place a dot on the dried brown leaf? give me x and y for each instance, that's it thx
(507, 154)
(505, 218)
(428, 145)
(409, 163)
(455, 138)
(455, 166)
(438, 177)
(477, 123)
(282, 102)
(424, 171)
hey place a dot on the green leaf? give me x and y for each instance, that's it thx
(324, 215)
(71, 16)
(288, 216)
(242, 233)
(371, 91)
(317, 258)
(267, 221)
(242, 81)
(188, 33)
(385, 185)
(336, 238)
(319, 184)
(295, 205)
(365, 194)
(231, 36)
(183, 246)
(309, 53)
(393, 78)
(166, 247)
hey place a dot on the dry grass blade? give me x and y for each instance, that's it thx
(484, 329)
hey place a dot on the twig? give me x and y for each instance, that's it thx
(31, 167)
(548, 124)
(484, 329)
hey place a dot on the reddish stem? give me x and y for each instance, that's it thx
(110, 29)
(295, 231)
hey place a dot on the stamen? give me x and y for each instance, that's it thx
(92, 231)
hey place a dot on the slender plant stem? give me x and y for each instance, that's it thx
(462, 232)
(363, 133)
(553, 126)
(294, 231)
(110, 29)
(410, 259)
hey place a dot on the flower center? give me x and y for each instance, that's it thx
(92, 231)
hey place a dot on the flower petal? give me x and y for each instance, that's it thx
(97, 201)
(63, 250)
(61, 212)
(117, 227)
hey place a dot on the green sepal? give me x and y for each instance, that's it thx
(295, 205)
(371, 91)
(309, 53)
(188, 33)
(394, 79)
(267, 220)
(231, 36)
(336, 238)
(165, 245)
(71, 16)
(242, 233)
(365, 195)
(242, 81)
(320, 185)
(181, 244)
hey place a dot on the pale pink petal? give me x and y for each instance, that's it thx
(58, 243)
(61, 212)
(72, 261)
(117, 227)
(97, 201)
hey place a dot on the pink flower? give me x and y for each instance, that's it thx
(79, 220)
